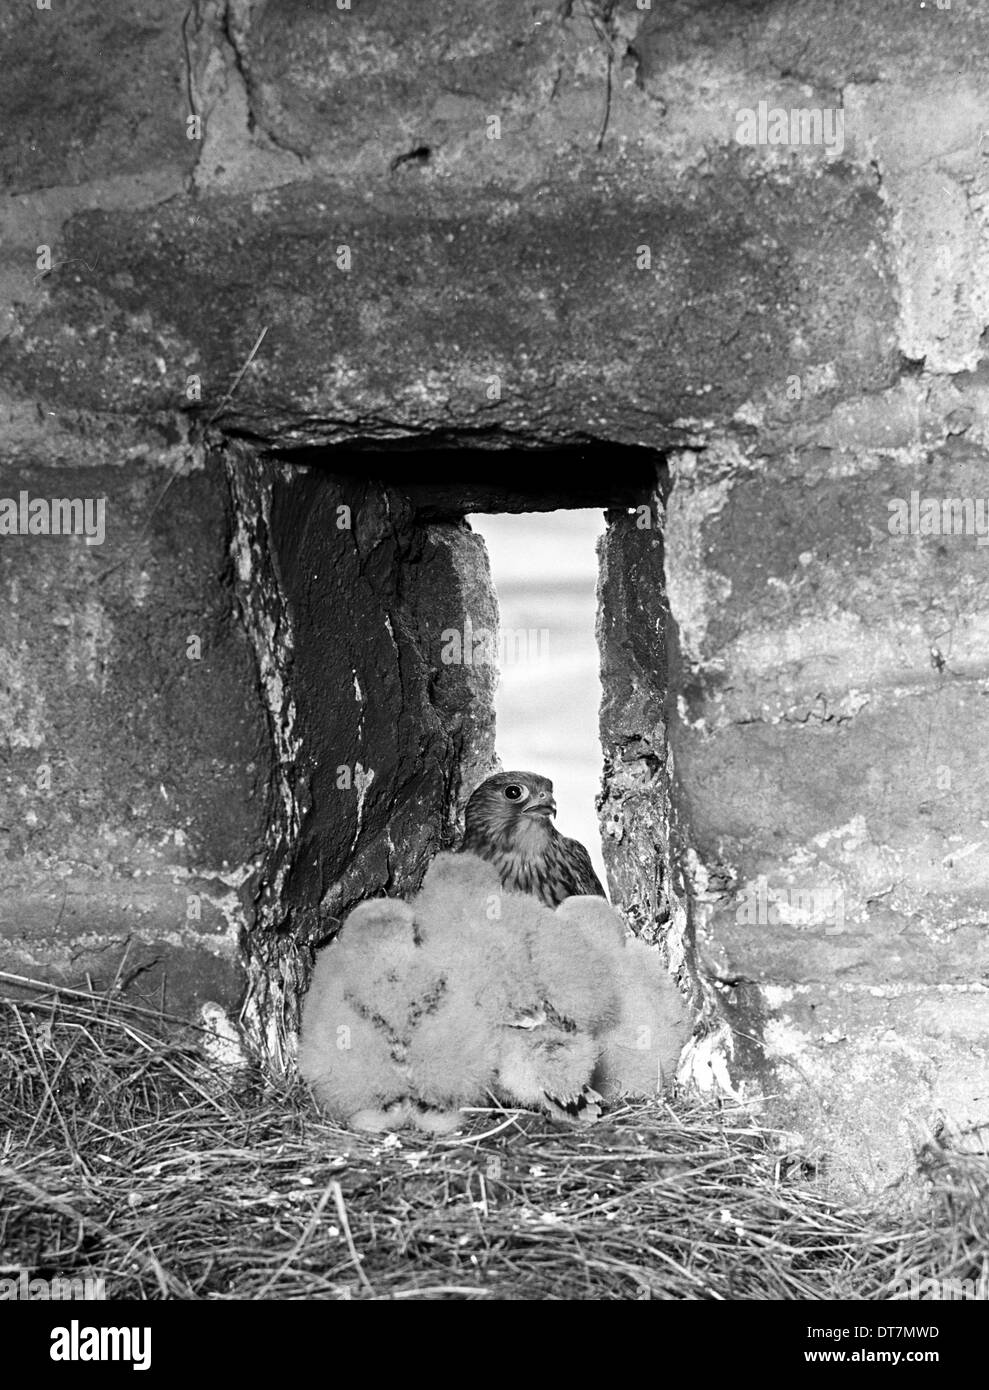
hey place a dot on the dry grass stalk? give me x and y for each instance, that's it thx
(124, 1154)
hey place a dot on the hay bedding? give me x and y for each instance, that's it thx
(124, 1154)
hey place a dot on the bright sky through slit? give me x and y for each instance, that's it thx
(544, 567)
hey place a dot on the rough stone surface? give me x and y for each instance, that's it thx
(135, 768)
(348, 597)
(89, 93)
(828, 744)
(451, 317)
(633, 625)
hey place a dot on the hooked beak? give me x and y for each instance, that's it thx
(544, 806)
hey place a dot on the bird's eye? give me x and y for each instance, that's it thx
(516, 792)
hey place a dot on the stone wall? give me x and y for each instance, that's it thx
(241, 239)
(347, 594)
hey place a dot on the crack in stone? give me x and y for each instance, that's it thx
(240, 62)
(221, 94)
(233, 27)
(190, 93)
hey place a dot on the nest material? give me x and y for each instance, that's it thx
(126, 1155)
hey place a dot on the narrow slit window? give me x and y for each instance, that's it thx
(544, 568)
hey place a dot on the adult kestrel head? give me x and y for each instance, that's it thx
(509, 822)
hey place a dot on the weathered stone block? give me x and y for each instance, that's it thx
(452, 317)
(429, 71)
(875, 1071)
(136, 770)
(828, 746)
(93, 92)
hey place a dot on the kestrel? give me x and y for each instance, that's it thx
(509, 822)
